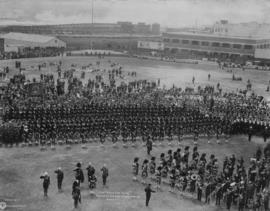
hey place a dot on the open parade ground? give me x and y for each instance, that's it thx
(21, 167)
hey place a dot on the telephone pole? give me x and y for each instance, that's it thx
(92, 25)
(92, 12)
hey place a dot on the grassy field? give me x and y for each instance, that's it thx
(21, 167)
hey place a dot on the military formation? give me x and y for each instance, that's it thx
(114, 105)
(190, 171)
(109, 107)
(115, 122)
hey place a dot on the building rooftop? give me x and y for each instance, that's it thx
(252, 29)
(217, 35)
(27, 37)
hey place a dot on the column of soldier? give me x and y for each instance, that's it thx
(94, 121)
(79, 178)
(233, 185)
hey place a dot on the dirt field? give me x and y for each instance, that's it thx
(21, 167)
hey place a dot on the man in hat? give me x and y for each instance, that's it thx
(76, 193)
(250, 131)
(265, 133)
(135, 168)
(79, 173)
(149, 146)
(60, 177)
(46, 183)
(105, 174)
(90, 171)
(148, 192)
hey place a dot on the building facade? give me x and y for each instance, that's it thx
(214, 44)
(156, 28)
(142, 28)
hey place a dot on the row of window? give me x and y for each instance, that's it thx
(220, 30)
(264, 46)
(205, 43)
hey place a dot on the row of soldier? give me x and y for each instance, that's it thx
(123, 123)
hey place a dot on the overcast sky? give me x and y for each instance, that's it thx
(177, 13)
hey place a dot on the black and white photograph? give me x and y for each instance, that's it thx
(134, 105)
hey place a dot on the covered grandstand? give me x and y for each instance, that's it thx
(14, 42)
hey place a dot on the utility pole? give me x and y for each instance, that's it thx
(92, 25)
(92, 12)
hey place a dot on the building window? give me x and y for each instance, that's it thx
(166, 40)
(226, 45)
(215, 44)
(185, 41)
(194, 42)
(237, 46)
(248, 47)
(205, 43)
(174, 50)
(175, 41)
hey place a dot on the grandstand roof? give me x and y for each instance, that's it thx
(216, 37)
(27, 37)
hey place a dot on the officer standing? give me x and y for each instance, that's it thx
(90, 170)
(46, 183)
(149, 146)
(76, 193)
(265, 133)
(79, 173)
(148, 192)
(250, 131)
(135, 168)
(60, 177)
(105, 174)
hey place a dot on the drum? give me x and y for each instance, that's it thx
(194, 176)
